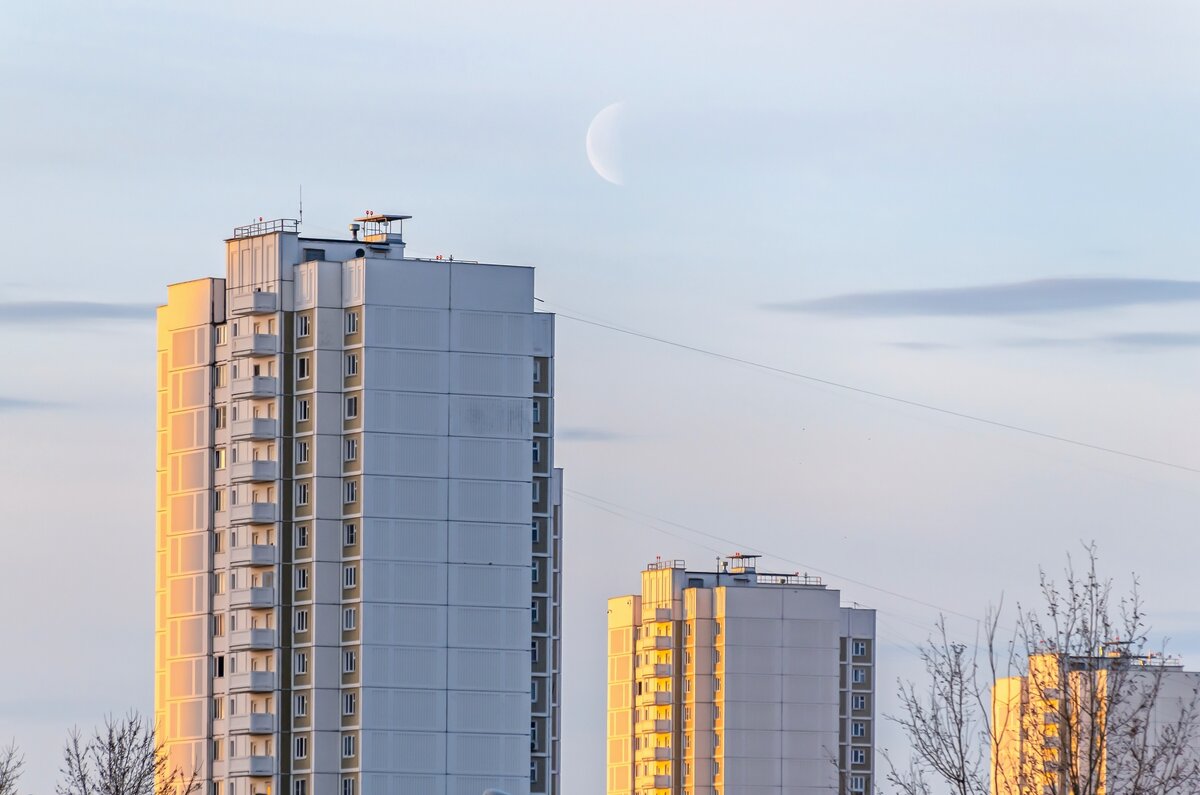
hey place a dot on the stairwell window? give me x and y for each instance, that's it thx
(537, 452)
(350, 576)
(302, 579)
(303, 326)
(349, 662)
(301, 536)
(351, 491)
(349, 618)
(301, 748)
(351, 451)
(301, 704)
(348, 783)
(301, 662)
(302, 410)
(352, 407)
(351, 364)
(302, 621)
(301, 452)
(349, 534)
(858, 729)
(352, 322)
(302, 494)
(349, 704)
(302, 371)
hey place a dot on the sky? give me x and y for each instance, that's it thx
(984, 207)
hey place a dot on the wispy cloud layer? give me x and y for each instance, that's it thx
(588, 435)
(21, 404)
(1139, 340)
(71, 311)
(1017, 298)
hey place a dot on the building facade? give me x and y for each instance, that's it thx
(1108, 722)
(736, 682)
(359, 522)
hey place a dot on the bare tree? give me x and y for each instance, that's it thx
(121, 758)
(1093, 711)
(12, 762)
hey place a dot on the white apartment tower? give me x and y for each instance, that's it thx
(738, 682)
(359, 529)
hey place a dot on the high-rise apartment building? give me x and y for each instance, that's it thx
(359, 530)
(738, 682)
(1108, 722)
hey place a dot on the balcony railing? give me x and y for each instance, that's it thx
(252, 682)
(256, 386)
(252, 765)
(653, 726)
(252, 723)
(255, 345)
(254, 471)
(254, 598)
(654, 671)
(259, 638)
(660, 752)
(253, 555)
(257, 303)
(654, 642)
(654, 697)
(261, 428)
(653, 782)
(252, 513)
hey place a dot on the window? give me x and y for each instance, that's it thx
(302, 579)
(858, 756)
(349, 703)
(218, 708)
(533, 569)
(303, 325)
(301, 662)
(533, 688)
(349, 576)
(348, 783)
(352, 322)
(220, 586)
(222, 334)
(218, 500)
(300, 787)
(716, 683)
(221, 375)
(351, 491)
(219, 625)
(537, 451)
(351, 364)
(301, 536)
(302, 494)
(859, 676)
(218, 666)
(302, 410)
(217, 757)
(219, 416)
(533, 651)
(351, 450)
(860, 648)
(859, 702)
(301, 452)
(301, 748)
(533, 734)
(533, 771)
(219, 458)
(537, 489)
(537, 412)
(349, 534)
(302, 371)
(352, 407)
(349, 618)
(301, 705)
(349, 661)
(534, 611)
(537, 531)
(858, 729)
(302, 621)
(858, 783)
(537, 372)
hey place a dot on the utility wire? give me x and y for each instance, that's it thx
(881, 395)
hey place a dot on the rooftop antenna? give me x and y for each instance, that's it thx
(302, 203)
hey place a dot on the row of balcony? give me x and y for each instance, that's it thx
(255, 638)
(653, 726)
(653, 697)
(252, 513)
(652, 781)
(654, 642)
(252, 765)
(253, 555)
(256, 471)
(255, 303)
(259, 598)
(654, 670)
(252, 723)
(656, 752)
(255, 345)
(252, 682)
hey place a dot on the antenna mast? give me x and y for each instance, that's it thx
(302, 203)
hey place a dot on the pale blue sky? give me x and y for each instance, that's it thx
(778, 157)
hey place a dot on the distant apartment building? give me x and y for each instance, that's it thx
(1103, 723)
(738, 682)
(359, 530)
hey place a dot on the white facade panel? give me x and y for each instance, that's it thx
(401, 539)
(471, 785)
(542, 334)
(401, 782)
(404, 625)
(489, 543)
(404, 710)
(488, 712)
(407, 454)
(811, 633)
(406, 370)
(492, 754)
(811, 662)
(491, 459)
(495, 586)
(408, 752)
(489, 669)
(405, 412)
(498, 288)
(754, 715)
(488, 628)
(403, 581)
(754, 659)
(491, 374)
(406, 327)
(415, 283)
(490, 500)
(404, 666)
(404, 498)
(491, 332)
(810, 689)
(496, 417)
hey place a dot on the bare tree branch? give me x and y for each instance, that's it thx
(12, 763)
(122, 757)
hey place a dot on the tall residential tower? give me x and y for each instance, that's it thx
(739, 682)
(359, 530)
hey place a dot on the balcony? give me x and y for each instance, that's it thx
(653, 782)
(654, 671)
(252, 765)
(257, 428)
(654, 697)
(256, 386)
(255, 345)
(254, 638)
(253, 555)
(254, 471)
(252, 513)
(654, 614)
(253, 598)
(653, 726)
(655, 642)
(252, 682)
(254, 723)
(258, 303)
(658, 752)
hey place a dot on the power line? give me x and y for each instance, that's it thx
(881, 395)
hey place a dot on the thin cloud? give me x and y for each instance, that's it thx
(921, 346)
(1142, 340)
(22, 404)
(588, 435)
(1018, 298)
(72, 311)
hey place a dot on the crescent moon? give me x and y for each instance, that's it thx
(603, 144)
